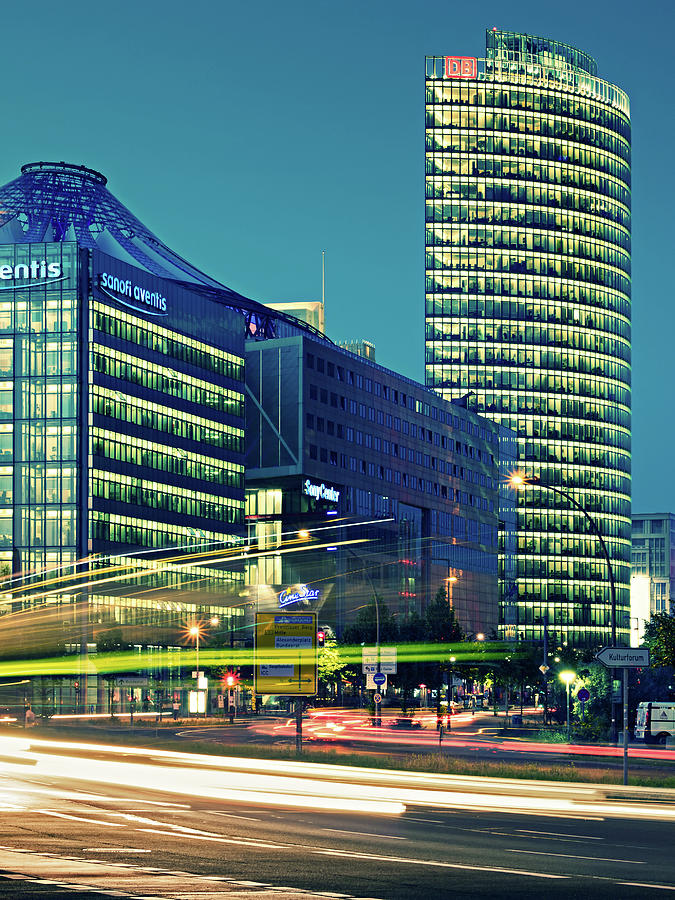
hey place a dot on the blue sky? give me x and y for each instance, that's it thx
(250, 137)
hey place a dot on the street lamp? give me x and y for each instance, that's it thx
(518, 481)
(568, 677)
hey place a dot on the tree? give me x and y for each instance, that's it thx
(364, 630)
(331, 661)
(660, 638)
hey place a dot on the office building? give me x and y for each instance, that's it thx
(652, 567)
(312, 312)
(121, 423)
(361, 347)
(528, 306)
(395, 490)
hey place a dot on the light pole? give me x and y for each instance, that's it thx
(517, 481)
(568, 677)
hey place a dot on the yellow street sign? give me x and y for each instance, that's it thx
(286, 654)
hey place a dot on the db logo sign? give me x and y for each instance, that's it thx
(461, 67)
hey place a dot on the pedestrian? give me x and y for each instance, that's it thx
(175, 708)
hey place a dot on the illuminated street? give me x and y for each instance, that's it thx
(150, 823)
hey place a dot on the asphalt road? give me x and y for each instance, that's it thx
(63, 835)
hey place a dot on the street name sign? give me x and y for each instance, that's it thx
(387, 660)
(286, 654)
(623, 657)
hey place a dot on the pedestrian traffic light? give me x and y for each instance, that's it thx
(320, 638)
(231, 680)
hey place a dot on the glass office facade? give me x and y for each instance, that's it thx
(653, 556)
(528, 304)
(342, 445)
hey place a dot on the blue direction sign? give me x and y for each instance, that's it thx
(379, 678)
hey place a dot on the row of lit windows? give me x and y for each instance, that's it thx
(563, 615)
(454, 262)
(520, 215)
(559, 103)
(140, 533)
(616, 320)
(48, 316)
(554, 567)
(573, 545)
(522, 276)
(47, 443)
(538, 378)
(596, 437)
(520, 402)
(156, 416)
(152, 336)
(576, 454)
(585, 351)
(158, 378)
(539, 195)
(46, 526)
(479, 235)
(503, 191)
(439, 168)
(601, 504)
(524, 148)
(139, 452)
(454, 117)
(36, 400)
(141, 492)
(537, 253)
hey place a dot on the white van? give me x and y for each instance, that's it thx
(655, 722)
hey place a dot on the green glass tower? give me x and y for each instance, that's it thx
(528, 307)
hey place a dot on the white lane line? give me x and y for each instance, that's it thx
(576, 837)
(233, 816)
(254, 845)
(434, 821)
(114, 850)
(656, 887)
(631, 862)
(49, 812)
(389, 837)
(83, 795)
(432, 862)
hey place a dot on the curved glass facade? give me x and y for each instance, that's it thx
(528, 305)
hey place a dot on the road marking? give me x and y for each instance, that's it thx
(585, 837)
(253, 844)
(415, 819)
(432, 862)
(656, 887)
(390, 837)
(232, 816)
(632, 862)
(58, 815)
(114, 850)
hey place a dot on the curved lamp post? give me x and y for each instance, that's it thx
(519, 481)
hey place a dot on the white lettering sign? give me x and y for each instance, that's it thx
(293, 642)
(116, 288)
(36, 273)
(320, 491)
(295, 595)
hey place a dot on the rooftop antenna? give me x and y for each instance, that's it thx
(323, 277)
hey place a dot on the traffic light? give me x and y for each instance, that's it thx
(231, 679)
(320, 638)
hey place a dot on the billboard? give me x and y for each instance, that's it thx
(286, 654)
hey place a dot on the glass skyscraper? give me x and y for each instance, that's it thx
(528, 306)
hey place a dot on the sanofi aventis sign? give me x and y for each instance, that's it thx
(33, 274)
(124, 291)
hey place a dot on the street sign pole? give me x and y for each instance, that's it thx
(624, 658)
(625, 725)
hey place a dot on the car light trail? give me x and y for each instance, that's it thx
(319, 786)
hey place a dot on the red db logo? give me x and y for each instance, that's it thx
(461, 66)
